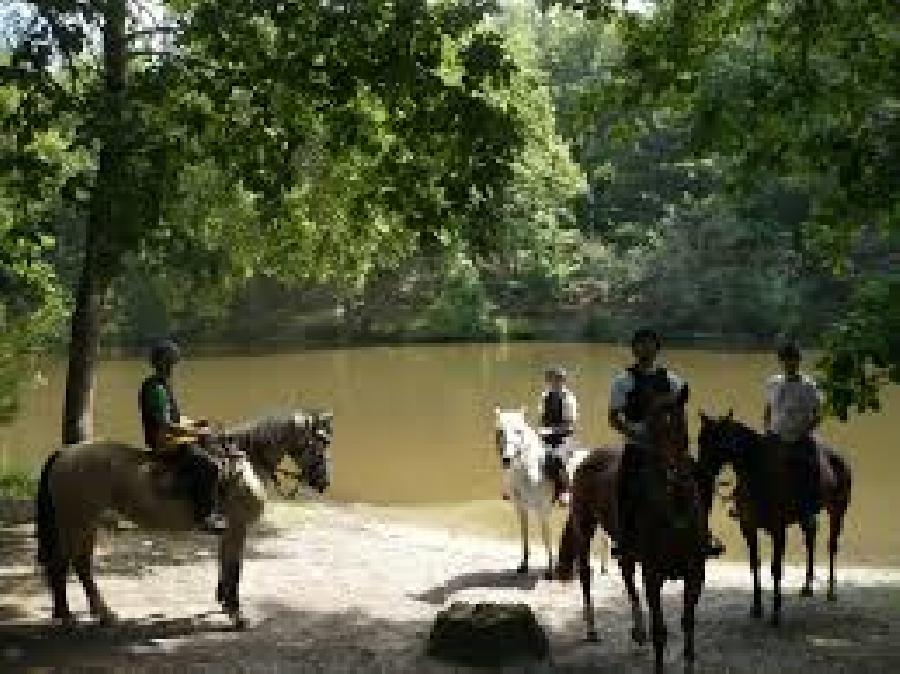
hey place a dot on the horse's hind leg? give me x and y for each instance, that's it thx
(586, 527)
(56, 571)
(809, 538)
(545, 535)
(638, 628)
(83, 557)
(523, 526)
(835, 524)
(753, 549)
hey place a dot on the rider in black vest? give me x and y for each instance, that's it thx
(167, 431)
(628, 414)
(557, 425)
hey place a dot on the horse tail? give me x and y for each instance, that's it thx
(47, 534)
(568, 550)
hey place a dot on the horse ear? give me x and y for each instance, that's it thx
(704, 417)
(730, 413)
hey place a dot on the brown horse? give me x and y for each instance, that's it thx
(670, 528)
(79, 483)
(766, 497)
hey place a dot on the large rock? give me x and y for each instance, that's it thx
(487, 634)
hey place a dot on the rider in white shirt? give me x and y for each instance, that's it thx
(559, 412)
(793, 410)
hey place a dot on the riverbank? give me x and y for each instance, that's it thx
(345, 589)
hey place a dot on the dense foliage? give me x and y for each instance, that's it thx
(242, 171)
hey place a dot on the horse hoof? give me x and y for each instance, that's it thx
(806, 591)
(757, 612)
(107, 618)
(522, 569)
(831, 596)
(592, 636)
(238, 621)
(548, 575)
(775, 621)
(65, 621)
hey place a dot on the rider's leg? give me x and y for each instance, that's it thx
(205, 472)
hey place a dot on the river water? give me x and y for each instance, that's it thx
(414, 424)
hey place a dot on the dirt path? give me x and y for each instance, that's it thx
(343, 590)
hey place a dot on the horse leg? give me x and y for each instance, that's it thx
(545, 535)
(231, 551)
(835, 524)
(523, 526)
(82, 562)
(56, 571)
(693, 586)
(605, 552)
(753, 548)
(587, 527)
(809, 538)
(638, 628)
(653, 591)
(778, 540)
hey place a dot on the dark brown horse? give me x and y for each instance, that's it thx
(767, 496)
(670, 528)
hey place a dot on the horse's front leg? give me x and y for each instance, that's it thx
(653, 592)
(809, 538)
(778, 540)
(638, 628)
(545, 535)
(585, 529)
(231, 553)
(693, 586)
(523, 526)
(750, 536)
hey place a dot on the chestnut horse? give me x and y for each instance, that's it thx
(670, 526)
(766, 497)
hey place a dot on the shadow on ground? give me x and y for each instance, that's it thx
(120, 552)
(439, 594)
(859, 634)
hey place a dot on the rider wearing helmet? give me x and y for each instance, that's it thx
(559, 412)
(628, 415)
(166, 430)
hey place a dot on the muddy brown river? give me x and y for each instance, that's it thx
(414, 424)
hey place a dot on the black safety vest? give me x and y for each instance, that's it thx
(644, 382)
(150, 423)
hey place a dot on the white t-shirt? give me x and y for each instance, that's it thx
(623, 385)
(793, 404)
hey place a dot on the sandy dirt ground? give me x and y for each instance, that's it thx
(344, 589)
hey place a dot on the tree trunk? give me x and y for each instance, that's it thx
(99, 253)
(78, 413)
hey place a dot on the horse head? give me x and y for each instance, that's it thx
(304, 436)
(517, 442)
(722, 441)
(312, 432)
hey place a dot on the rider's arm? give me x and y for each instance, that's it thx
(817, 401)
(161, 410)
(618, 399)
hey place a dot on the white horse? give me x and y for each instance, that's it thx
(522, 454)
